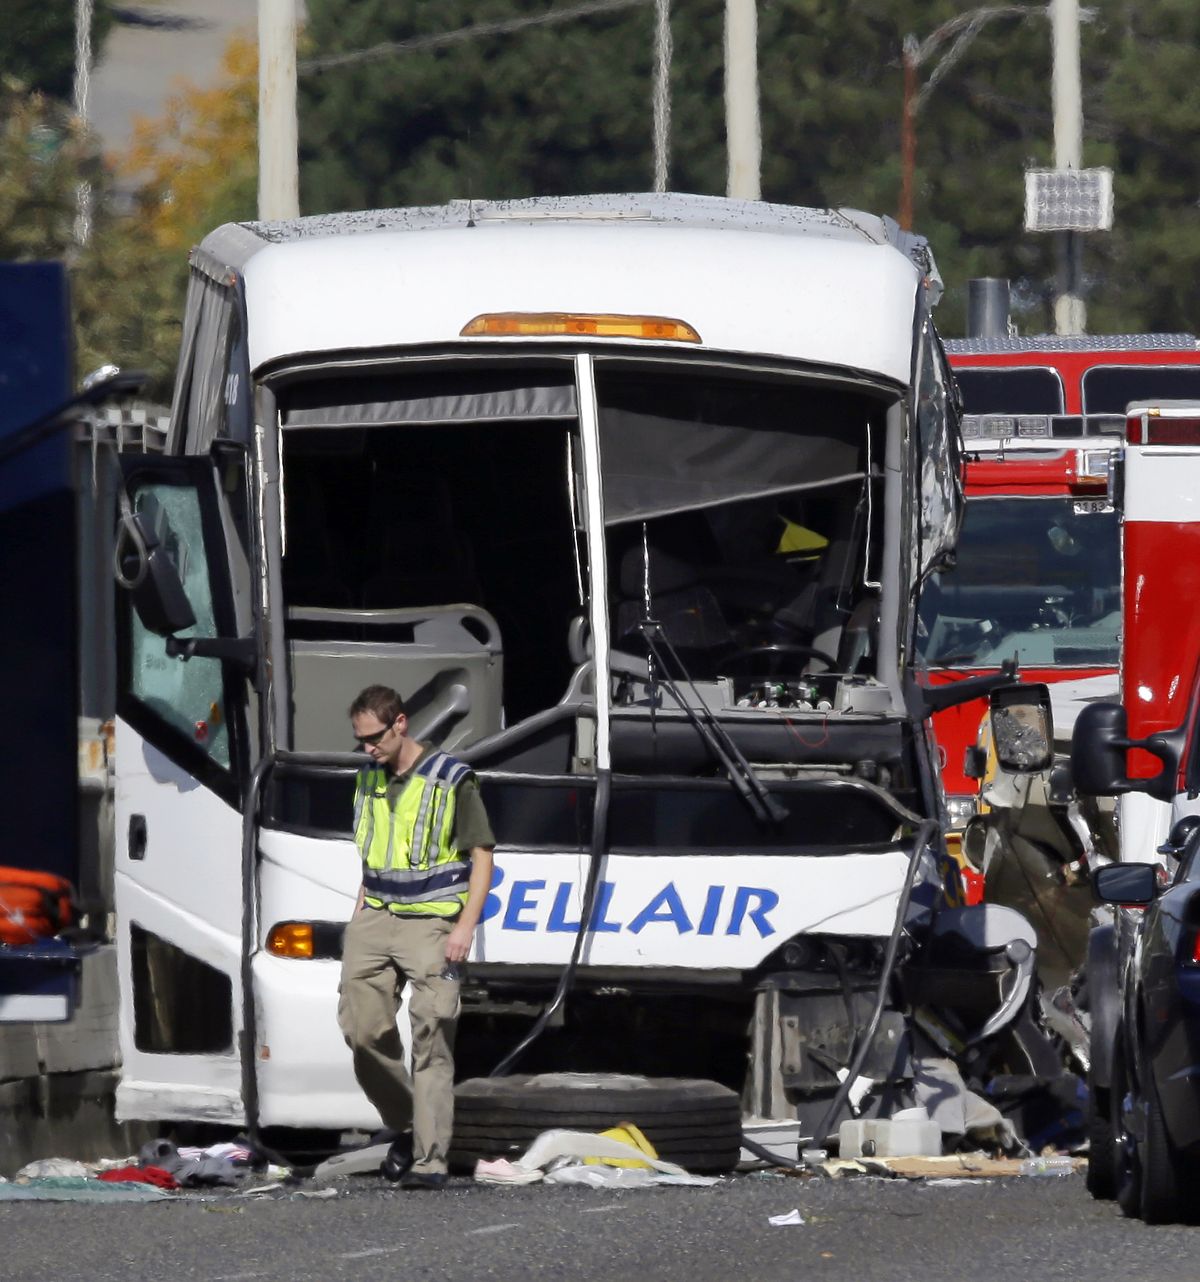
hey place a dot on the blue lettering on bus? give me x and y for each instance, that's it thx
(557, 922)
(524, 908)
(767, 899)
(665, 906)
(520, 902)
(600, 924)
(712, 906)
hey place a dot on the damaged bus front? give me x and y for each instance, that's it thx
(630, 497)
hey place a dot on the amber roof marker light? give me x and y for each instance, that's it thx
(578, 325)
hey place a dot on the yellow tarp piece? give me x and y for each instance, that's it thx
(800, 540)
(629, 1134)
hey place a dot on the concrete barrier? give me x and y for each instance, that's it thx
(58, 1081)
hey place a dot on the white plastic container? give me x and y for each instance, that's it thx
(908, 1133)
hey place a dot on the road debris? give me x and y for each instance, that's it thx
(79, 1189)
(619, 1158)
(969, 1166)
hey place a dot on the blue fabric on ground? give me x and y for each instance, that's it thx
(74, 1189)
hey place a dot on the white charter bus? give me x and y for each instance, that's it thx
(630, 497)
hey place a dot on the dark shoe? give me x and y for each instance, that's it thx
(423, 1180)
(398, 1158)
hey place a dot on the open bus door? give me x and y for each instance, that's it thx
(183, 761)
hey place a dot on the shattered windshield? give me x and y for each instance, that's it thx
(743, 515)
(1036, 578)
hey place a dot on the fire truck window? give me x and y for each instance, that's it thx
(1109, 389)
(189, 696)
(1010, 391)
(1038, 578)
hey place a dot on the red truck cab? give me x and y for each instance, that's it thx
(1038, 571)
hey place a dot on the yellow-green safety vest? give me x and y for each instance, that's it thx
(410, 866)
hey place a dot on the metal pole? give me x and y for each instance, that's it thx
(662, 93)
(1069, 312)
(278, 165)
(84, 10)
(908, 133)
(987, 307)
(743, 136)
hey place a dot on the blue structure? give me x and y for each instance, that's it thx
(38, 635)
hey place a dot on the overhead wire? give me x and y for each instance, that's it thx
(461, 35)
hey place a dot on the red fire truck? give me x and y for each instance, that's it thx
(1038, 573)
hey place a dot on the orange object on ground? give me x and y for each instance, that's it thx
(33, 905)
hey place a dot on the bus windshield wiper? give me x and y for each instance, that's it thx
(729, 756)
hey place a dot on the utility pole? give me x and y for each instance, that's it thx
(1070, 315)
(84, 11)
(278, 163)
(743, 132)
(910, 57)
(662, 94)
(959, 31)
(1068, 200)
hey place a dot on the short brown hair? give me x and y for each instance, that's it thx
(380, 701)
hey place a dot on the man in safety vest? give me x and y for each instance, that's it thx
(426, 846)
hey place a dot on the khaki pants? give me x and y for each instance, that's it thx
(380, 953)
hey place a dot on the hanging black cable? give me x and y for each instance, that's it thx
(921, 839)
(599, 847)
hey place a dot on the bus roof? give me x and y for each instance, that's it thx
(828, 287)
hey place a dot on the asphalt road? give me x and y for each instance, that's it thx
(864, 1230)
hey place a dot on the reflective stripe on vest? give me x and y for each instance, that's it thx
(409, 863)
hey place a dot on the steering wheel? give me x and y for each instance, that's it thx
(777, 650)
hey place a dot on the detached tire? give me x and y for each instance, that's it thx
(696, 1124)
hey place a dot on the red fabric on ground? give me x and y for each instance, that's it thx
(140, 1175)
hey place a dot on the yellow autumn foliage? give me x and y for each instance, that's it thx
(197, 165)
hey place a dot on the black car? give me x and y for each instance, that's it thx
(1143, 978)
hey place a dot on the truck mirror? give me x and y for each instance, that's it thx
(1022, 728)
(1126, 883)
(1098, 746)
(142, 567)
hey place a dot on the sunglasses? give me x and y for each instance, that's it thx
(371, 740)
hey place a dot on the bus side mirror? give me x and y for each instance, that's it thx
(1022, 728)
(1098, 747)
(142, 567)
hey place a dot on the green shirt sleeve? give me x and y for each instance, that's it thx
(471, 824)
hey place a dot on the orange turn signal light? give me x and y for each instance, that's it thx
(578, 324)
(291, 939)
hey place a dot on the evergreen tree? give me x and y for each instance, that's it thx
(37, 50)
(1147, 112)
